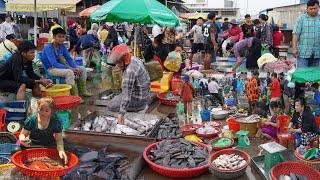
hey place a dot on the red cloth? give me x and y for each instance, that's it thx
(187, 92)
(277, 38)
(275, 89)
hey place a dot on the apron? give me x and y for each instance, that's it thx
(43, 137)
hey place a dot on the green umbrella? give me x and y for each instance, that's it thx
(306, 75)
(135, 11)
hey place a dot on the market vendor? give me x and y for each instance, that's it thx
(303, 125)
(249, 48)
(135, 83)
(157, 50)
(44, 129)
(58, 62)
(17, 74)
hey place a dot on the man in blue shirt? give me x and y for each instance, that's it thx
(306, 37)
(316, 98)
(58, 62)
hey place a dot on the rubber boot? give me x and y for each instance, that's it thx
(74, 92)
(82, 85)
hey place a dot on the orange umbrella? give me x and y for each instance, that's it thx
(88, 11)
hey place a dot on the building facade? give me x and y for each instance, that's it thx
(222, 8)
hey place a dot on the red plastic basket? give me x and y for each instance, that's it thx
(216, 148)
(229, 174)
(294, 167)
(20, 157)
(315, 163)
(163, 100)
(212, 123)
(187, 131)
(209, 135)
(174, 172)
(66, 102)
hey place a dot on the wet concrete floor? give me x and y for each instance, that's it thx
(97, 85)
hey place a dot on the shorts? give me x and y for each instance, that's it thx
(196, 47)
(209, 48)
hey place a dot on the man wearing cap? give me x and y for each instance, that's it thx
(247, 27)
(135, 83)
(112, 38)
(234, 35)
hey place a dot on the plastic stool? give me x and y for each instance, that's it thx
(285, 138)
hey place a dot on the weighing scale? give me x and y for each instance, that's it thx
(272, 154)
(243, 140)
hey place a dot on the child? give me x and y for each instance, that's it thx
(270, 128)
(187, 95)
(253, 92)
(196, 85)
(275, 90)
(44, 129)
(277, 36)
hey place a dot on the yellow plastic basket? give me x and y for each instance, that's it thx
(57, 90)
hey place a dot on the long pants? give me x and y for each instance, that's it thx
(134, 106)
(252, 107)
(68, 74)
(91, 55)
(287, 105)
(218, 97)
(304, 139)
(224, 47)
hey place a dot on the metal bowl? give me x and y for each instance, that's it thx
(220, 114)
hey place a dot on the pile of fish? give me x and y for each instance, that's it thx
(44, 163)
(179, 153)
(169, 129)
(99, 165)
(207, 129)
(229, 162)
(135, 127)
(251, 119)
(291, 176)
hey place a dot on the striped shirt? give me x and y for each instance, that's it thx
(308, 30)
(135, 84)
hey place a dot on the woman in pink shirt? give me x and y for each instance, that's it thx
(275, 90)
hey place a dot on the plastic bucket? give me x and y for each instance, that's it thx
(283, 121)
(65, 118)
(79, 61)
(234, 126)
(205, 115)
(230, 102)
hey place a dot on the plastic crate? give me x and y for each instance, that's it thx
(7, 148)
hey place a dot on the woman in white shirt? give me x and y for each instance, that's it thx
(7, 47)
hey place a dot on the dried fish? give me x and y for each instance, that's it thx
(179, 153)
(169, 129)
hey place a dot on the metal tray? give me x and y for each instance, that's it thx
(132, 147)
(258, 163)
(91, 116)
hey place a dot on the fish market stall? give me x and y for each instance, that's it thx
(136, 125)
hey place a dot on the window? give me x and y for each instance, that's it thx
(228, 3)
(201, 1)
(228, 13)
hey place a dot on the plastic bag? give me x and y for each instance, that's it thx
(266, 58)
(223, 142)
(154, 69)
(173, 61)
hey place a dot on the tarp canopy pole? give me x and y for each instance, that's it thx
(35, 23)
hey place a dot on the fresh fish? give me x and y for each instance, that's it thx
(229, 162)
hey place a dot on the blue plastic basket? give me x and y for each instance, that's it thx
(7, 148)
(205, 115)
(4, 160)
